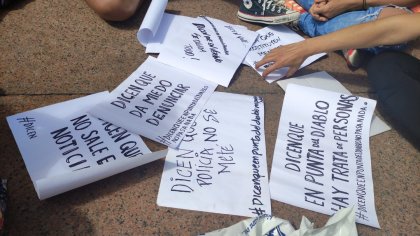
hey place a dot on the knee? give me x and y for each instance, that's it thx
(308, 25)
(381, 62)
(383, 70)
(114, 10)
(393, 75)
(391, 11)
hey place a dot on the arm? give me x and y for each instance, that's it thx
(401, 3)
(391, 30)
(333, 8)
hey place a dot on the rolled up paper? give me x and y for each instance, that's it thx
(151, 21)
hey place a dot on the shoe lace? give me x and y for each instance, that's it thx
(275, 5)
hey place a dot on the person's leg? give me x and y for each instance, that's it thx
(314, 28)
(395, 77)
(114, 10)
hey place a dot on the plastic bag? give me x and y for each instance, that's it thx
(343, 223)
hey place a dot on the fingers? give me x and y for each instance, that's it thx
(319, 10)
(291, 56)
(292, 70)
(262, 62)
(274, 58)
(270, 69)
(319, 17)
(269, 57)
(318, 13)
(314, 14)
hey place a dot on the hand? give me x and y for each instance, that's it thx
(291, 56)
(315, 8)
(323, 10)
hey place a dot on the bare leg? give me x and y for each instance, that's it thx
(391, 11)
(114, 10)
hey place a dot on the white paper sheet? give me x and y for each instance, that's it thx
(151, 21)
(221, 165)
(168, 26)
(64, 148)
(47, 187)
(207, 47)
(323, 80)
(322, 159)
(157, 101)
(272, 37)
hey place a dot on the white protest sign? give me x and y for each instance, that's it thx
(64, 148)
(321, 159)
(209, 48)
(157, 101)
(221, 164)
(272, 37)
(169, 25)
(323, 80)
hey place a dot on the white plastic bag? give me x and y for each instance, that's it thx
(343, 223)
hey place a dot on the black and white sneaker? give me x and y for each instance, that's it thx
(293, 25)
(272, 12)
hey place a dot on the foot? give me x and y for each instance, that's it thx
(272, 12)
(355, 58)
(293, 25)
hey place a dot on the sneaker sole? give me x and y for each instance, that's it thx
(353, 58)
(270, 20)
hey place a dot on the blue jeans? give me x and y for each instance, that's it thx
(313, 28)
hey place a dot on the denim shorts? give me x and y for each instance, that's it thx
(313, 28)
